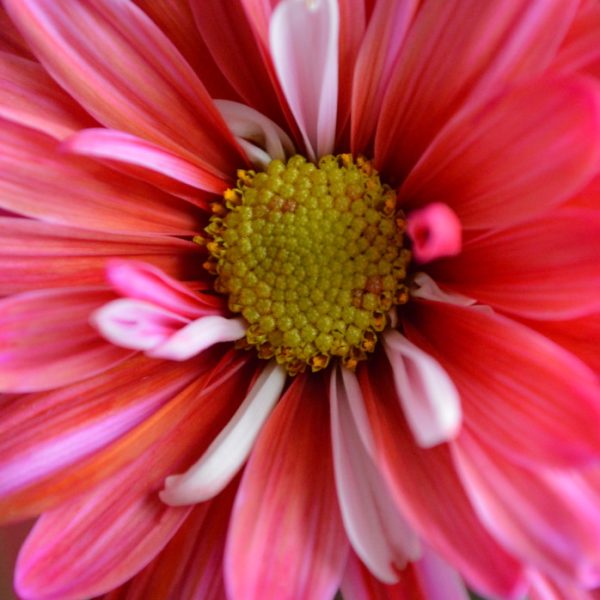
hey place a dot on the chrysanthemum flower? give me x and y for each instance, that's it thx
(301, 296)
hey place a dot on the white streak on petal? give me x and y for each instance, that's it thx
(262, 139)
(427, 289)
(135, 324)
(379, 533)
(429, 398)
(198, 336)
(304, 40)
(230, 449)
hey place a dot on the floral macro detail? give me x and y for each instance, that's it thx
(313, 257)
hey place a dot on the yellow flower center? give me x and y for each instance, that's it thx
(313, 258)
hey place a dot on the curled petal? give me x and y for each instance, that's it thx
(304, 45)
(430, 400)
(228, 452)
(255, 132)
(435, 232)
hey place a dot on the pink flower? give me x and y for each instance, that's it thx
(402, 399)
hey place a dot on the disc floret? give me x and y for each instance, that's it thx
(312, 256)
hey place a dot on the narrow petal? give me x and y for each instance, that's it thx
(375, 526)
(118, 64)
(35, 255)
(46, 340)
(424, 483)
(128, 150)
(514, 157)
(445, 65)
(142, 281)
(528, 396)
(304, 46)
(429, 398)
(435, 232)
(45, 433)
(548, 521)
(382, 42)
(197, 336)
(226, 455)
(544, 269)
(249, 125)
(37, 180)
(30, 97)
(286, 539)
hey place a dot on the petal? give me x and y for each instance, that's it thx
(248, 124)
(286, 539)
(384, 37)
(30, 97)
(197, 336)
(147, 159)
(36, 255)
(36, 180)
(228, 452)
(142, 281)
(512, 158)
(457, 53)
(45, 433)
(114, 60)
(429, 398)
(375, 526)
(527, 395)
(304, 45)
(168, 440)
(548, 521)
(424, 483)
(46, 340)
(544, 269)
(435, 232)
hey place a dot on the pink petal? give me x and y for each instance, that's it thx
(514, 157)
(36, 255)
(198, 336)
(543, 588)
(528, 396)
(44, 433)
(236, 41)
(286, 539)
(435, 232)
(543, 269)
(36, 180)
(549, 522)
(29, 97)
(458, 53)
(249, 125)
(226, 455)
(375, 526)
(437, 579)
(116, 62)
(142, 281)
(382, 42)
(426, 486)
(304, 45)
(429, 399)
(126, 150)
(46, 341)
(168, 440)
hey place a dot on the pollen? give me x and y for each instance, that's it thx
(313, 257)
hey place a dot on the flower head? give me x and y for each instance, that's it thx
(301, 296)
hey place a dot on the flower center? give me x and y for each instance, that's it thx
(313, 258)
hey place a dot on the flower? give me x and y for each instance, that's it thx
(300, 296)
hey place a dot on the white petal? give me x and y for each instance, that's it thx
(262, 139)
(429, 398)
(198, 336)
(379, 534)
(230, 449)
(136, 324)
(304, 38)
